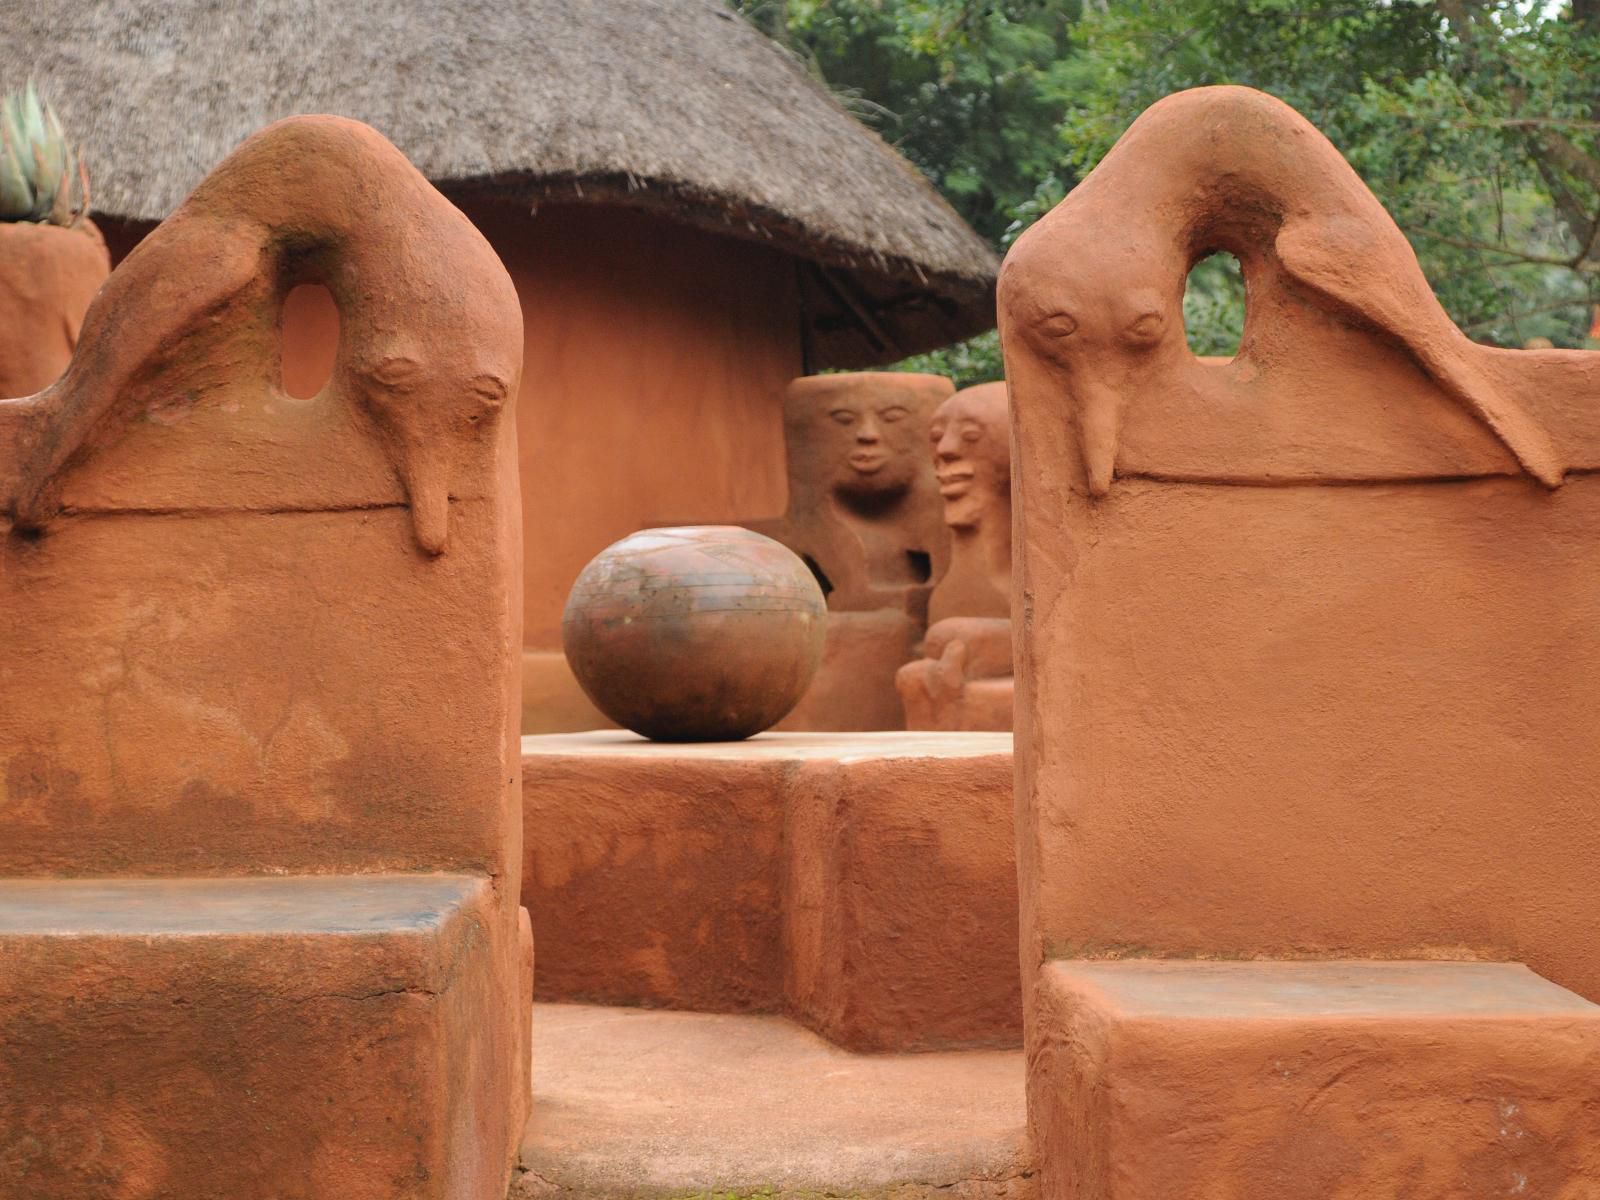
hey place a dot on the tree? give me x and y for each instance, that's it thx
(1476, 122)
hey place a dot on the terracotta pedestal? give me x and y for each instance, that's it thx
(864, 883)
(48, 276)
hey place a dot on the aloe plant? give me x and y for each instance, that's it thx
(42, 178)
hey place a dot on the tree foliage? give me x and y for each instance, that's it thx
(1476, 122)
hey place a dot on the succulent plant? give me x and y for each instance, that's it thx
(42, 178)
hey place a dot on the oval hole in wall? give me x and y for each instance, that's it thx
(1213, 306)
(308, 340)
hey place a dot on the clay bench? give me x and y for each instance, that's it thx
(864, 883)
(1155, 1080)
(136, 1011)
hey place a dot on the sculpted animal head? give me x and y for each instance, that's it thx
(1090, 315)
(427, 411)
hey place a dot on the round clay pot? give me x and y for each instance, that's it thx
(699, 634)
(48, 276)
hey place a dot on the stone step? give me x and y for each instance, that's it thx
(864, 883)
(645, 1103)
(1271, 1080)
(260, 1038)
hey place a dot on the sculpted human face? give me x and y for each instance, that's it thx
(873, 443)
(971, 437)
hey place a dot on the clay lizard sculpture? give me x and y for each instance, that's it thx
(430, 324)
(1228, 168)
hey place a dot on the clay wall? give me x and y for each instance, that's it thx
(259, 691)
(655, 357)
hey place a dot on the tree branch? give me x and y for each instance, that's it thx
(1546, 260)
(1514, 317)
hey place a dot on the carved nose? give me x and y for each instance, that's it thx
(1099, 413)
(420, 452)
(427, 483)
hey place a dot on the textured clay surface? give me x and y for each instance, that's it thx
(1333, 1080)
(317, 1027)
(248, 635)
(636, 1103)
(863, 883)
(48, 276)
(1307, 666)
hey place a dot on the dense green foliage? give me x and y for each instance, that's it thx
(1477, 123)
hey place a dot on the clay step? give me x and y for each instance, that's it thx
(1267, 1080)
(642, 1103)
(256, 1037)
(864, 883)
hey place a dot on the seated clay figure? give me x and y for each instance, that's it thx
(864, 514)
(971, 436)
(863, 501)
(963, 679)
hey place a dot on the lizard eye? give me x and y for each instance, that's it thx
(1146, 329)
(1059, 325)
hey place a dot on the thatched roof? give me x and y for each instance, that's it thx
(674, 104)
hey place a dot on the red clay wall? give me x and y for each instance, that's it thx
(1332, 717)
(654, 367)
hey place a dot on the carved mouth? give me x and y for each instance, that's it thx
(954, 483)
(868, 461)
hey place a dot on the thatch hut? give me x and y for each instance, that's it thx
(690, 219)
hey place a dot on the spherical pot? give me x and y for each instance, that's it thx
(698, 634)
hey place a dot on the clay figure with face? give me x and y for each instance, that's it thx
(872, 443)
(971, 437)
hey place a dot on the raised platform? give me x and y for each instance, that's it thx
(635, 1103)
(319, 1036)
(1268, 1080)
(865, 883)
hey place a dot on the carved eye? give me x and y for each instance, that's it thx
(893, 413)
(1146, 329)
(971, 433)
(936, 433)
(1059, 325)
(491, 390)
(397, 373)
(843, 416)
